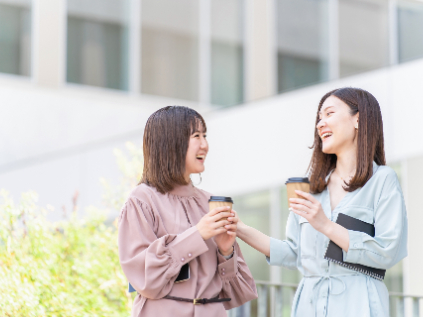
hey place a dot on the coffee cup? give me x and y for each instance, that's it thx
(220, 201)
(297, 183)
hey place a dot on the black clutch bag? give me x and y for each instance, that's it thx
(334, 252)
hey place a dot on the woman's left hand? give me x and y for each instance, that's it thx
(226, 240)
(311, 209)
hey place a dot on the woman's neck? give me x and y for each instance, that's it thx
(346, 163)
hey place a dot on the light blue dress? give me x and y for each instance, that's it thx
(328, 289)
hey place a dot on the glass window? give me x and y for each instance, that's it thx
(288, 276)
(15, 37)
(169, 48)
(227, 52)
(97, 43)
(302, 43)
(410, 30)
(363, 35)
(254, 210)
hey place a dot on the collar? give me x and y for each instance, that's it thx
(183, 190)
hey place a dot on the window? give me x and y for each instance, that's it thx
(227, 52)
(363, 36)
(97, 43)
(302, 43)
(254, 210)
(170, 48)
(410, 30)
(15, 37)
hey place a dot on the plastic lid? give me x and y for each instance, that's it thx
(221, 198)
(297, 180)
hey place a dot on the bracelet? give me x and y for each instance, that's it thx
(227, 257)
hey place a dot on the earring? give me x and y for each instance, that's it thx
(356, 126)
(201, 179)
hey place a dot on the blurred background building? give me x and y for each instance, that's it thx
(78, 78)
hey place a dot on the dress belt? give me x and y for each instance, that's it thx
(318, 285)
(197, 301)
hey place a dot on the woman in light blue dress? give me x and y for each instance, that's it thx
(347, 175)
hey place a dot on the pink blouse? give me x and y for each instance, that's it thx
(156, 239)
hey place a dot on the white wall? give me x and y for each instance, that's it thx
(58, 141)
(261, 144)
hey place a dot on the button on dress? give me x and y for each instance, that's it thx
(157, 236)
(328, 289)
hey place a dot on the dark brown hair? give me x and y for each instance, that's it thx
(370, 145)
(165, 146)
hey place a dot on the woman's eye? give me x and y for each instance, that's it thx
(205, 135)
(329, 113)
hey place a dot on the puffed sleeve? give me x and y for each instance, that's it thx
(389, 245)
(284, 252)
(238, 283)
(151, 264)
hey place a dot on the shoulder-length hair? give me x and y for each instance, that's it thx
(370, 145)
(165, 146)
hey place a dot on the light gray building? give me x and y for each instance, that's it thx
(78, 78)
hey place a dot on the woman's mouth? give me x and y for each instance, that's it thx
(201, 158)
(326, 135)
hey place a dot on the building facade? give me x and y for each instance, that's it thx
(80, 78)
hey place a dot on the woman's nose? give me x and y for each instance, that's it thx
(204, 144)
(320, 124)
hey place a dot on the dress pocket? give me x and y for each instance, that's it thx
(308, 240)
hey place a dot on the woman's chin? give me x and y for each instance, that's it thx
(198, 170)
(328, 150)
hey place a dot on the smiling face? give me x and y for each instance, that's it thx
(198, 148)
(337, 127)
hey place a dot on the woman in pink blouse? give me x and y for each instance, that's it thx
(166, 224)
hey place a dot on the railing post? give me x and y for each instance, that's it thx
(262, 301)
(416, 307)
(278, 301)
(399, 303)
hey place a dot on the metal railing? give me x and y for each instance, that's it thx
(275, 300)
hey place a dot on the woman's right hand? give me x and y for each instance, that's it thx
(211, 224)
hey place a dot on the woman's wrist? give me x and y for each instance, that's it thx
(241, 230)
(328, 228)
(226, 252)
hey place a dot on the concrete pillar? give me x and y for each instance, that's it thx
(412, 173)
(49, 42)
(260, 59)
(413, 187)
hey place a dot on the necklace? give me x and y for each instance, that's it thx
(344, 179)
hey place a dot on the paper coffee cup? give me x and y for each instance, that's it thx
(220, 201)
(297, 183)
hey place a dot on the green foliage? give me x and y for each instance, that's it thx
(66, 268)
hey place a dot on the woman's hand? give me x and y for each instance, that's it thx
(226, 240)
(311, 209)
(211, 224)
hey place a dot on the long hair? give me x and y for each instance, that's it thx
(165, 146)
(370, 144)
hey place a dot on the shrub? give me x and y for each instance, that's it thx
(66, 268)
